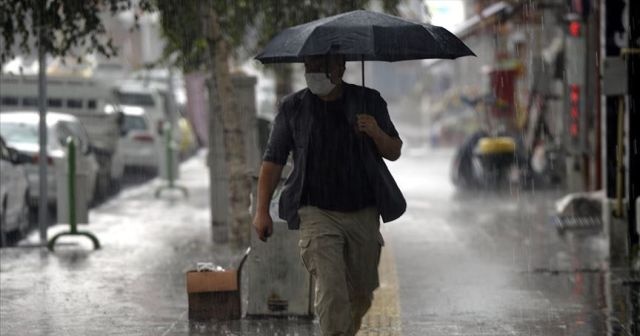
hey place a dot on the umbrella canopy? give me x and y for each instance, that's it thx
(364, 36)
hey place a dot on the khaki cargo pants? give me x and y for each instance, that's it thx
(341, 250)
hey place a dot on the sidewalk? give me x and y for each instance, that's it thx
(453, 265)
(135, 284)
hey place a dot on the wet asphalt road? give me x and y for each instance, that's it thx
(477, 264)
(493, 264)
(133, 285)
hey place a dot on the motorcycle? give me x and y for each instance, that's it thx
(484, 161)
(491, 158)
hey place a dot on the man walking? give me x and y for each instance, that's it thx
(338, 189)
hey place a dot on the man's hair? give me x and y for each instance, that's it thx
(337, 58)
(326, 60)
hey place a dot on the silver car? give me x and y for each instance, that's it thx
(14, 193)
(20, 131)
(139, 143)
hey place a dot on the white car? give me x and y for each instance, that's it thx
(14, 193)
(139, 143)
(20, 131)
(134, 93)
(90, 99)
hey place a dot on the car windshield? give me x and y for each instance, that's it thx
(134, 123)
(136, 99)
(65, 130)
(15, 132)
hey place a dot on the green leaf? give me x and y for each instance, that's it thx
(72, 21)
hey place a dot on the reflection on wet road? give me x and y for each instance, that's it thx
(475, 264)
(493, 264)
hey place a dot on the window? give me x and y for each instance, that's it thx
(167, 109)
(54, 102)
(136, 99)
(15, 132)
(10, 101)
(91, 104)
(4, 151)
(30, 101)
(74, 103)
(134, 123)
(75, 130)
(64, 131)
(83, 137)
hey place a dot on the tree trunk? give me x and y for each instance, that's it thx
(233, 139)
(218, 182)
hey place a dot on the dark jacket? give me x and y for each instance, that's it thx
(291, 132)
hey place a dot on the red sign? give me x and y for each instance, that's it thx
(574, 28)
(574, 109)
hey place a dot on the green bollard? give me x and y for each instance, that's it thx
(169, 162)
(73, 231)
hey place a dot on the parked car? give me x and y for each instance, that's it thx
(20, 131)
(135, 93)
(90, 99)
(14, 193)
(139, 143)
(154, 98)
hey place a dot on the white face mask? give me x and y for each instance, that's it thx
(318, 83)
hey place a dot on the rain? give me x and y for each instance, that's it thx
(292, 168)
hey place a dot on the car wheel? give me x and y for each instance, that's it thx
(24, 225)
(115, 185)
(3, 218)
(94, 195)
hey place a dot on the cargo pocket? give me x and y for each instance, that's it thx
(380, 245)
(380, 239)
(373, 280)
(304, 245)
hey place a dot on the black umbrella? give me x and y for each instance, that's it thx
(363, 36)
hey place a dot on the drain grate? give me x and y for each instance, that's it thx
(564, 271)
(576, 223)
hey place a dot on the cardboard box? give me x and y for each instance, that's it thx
(213, 295)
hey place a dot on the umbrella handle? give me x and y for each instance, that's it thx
(363, 100)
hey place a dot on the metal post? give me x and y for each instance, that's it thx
(169, 165)
(632, 54)
(620, 170)
(42, 100)
(71, 175)
(72, 187)
(169, 161)
(173, 113)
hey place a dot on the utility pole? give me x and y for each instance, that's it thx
(42, 107)
(577, 92)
